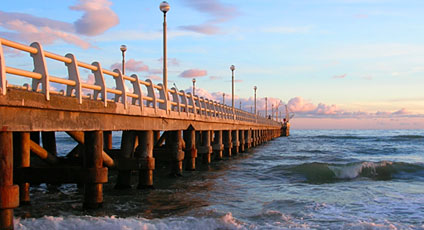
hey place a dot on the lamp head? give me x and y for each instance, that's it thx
(255, 88)
(194, 80)
(164, 7)
(123, 48)
(232, 67)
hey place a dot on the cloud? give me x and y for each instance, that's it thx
(287, 30)
(132, 65)
(97, 17)
(154, 77)
(218, 11)
(171, 61)
(193, 73)
(340, 76)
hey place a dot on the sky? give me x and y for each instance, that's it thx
(337, 64)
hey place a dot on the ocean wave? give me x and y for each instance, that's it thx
(385, 170)
(104, 223)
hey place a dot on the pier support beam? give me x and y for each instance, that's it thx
(174, 147)
(206, 149)
(236, 142)
(190, 148)
(228, 145)
(242, 140)
(96, 174)
(21, 142)
(9, 193)
(248, 139)
(217, 146)
(127, 149)
(144, 152)
(107, 139)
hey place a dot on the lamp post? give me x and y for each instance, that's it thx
(255, 88)
(272, 112)
(223, 98)
(123, 49)
(194, 85)
(266, 107)
(240, 105)
(164, 7)
(232, 68)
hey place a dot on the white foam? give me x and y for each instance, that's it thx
(354, 170)
(114, 223)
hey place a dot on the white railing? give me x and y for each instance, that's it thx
(144, 93)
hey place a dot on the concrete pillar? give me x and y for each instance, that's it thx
(242, 140)
(22, 148)
(174, 146)
(93, 163)
(9, 193)
(217, 146)
(235, 140)
(127, 149)
(248, 137)
(206, 149)
(107, 138)
(228, 144)
(144, 152)
(190, 149)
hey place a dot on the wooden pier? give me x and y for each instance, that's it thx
(157, 124)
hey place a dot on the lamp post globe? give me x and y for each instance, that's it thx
(164, 7)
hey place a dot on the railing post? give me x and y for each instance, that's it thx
(184, 101)
(9, 193)
(163, 95)
(145, 153)
(3, 82)
(100, 81)
(137, 91)
(176, 99)
(120, 86)
(74, 75)
(151, 94)
(40, 67)
(192, 103)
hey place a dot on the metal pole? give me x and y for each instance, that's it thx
(165, 69)
(266, 107)
(255, 88)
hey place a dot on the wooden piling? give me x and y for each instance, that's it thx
(96, 174)
(236, 142)
(174, 147)
(217, 146)
(107, 139)
(144, 152)
(228, 144)
(23, 161)
(9, 193)
(242, 140)
(206, 149)
(127, 150)
(190, 148)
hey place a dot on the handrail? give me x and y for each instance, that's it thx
(150, 95)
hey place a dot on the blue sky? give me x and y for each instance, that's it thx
(342, 60)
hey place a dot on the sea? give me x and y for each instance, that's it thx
(314, 179)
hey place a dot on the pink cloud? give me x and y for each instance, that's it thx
(340, 76)
(205, 28)
(193, 73)
(132, 65)
(97, 18)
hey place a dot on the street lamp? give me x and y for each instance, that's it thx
(194, 85)
(123, 49)
(240, 105)
(232, 68)
(223, 98)
(164, 7)
(266, 107)
(255, 88)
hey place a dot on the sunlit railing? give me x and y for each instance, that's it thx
(144, 93)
